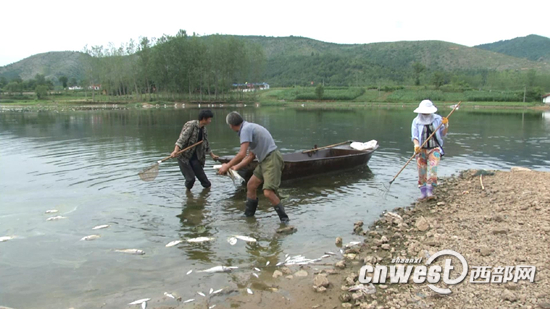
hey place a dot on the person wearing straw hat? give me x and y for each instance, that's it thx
(270, 164)
(428, 156)
(191, 162)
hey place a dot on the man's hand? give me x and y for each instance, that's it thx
(174, 154)
(214, 157)
(444, 120)
(416, 148)
(223, 170)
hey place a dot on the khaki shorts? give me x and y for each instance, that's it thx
(270, 170)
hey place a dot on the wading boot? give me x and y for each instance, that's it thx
(429, 193)
(251, 206)
(423, 193)
(282, 214)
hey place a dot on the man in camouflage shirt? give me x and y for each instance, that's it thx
(192, 161)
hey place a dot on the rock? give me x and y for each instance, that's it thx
(358, 223)
(345, 298)
(290, 277)
(287, 230)
(346, 305)
(519, 169)
(350, 256)
(341, 264)
(386, 246)
(384, 239)
(356, 296)
(440, 203)
(321, 281)
(301, 273)
(485, 251)
(422, 224)
(357, 229)
(509, 296)
(500, 231)
(544, 305)
(286, 270)
(338, 241)
(277, 274)
(320, 289)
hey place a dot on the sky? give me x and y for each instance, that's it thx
(32, 27)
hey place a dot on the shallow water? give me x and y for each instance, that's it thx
(85, 164)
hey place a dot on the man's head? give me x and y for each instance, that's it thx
(234, 120)
(205, 117)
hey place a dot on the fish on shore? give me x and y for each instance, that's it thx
(99, 227)
(200, 239)
(51, 211)
(189, 272)
(219, 269)
(256, 269)
(173, 243)
(249, 291)
(245, 238)
(232, 240)
(139, 301)
(171, 296)
(131, 251)
(6, 238)
(217, 291)
(90, 237)
(189, 300)
(201, 294)
(55, 218)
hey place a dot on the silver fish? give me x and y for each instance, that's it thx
(200, 239)
(189, 300)
(330, 253)
(217, 269)
(173, 243)
(144, 305)
(353, 243)
(211, 290)
(189, 272)
(99, 227)
(325, 256)
(6, 238)
(249, 291)
(256, 275)
(51, 211)
(256, 269)
(169, 295)
(139, 301)
(55, 218)
(131, 251)
(267, 263)
(245, 238)
(217, 291)
(211, 306)
(280, 263)
(90, 237)
(232, 240)
(201, 294)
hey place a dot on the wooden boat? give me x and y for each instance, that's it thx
(306, 164)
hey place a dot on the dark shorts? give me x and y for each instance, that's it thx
(270, 170)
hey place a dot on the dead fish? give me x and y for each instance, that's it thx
(211, 306)
(256, 269)
(144, 305)
(201, 294)
(245, 238)
(330, 253)
(218, 269)
(255, 275)
(211, 290)
(173, 243)
(325, 256)
(217, 291)
(353, 243)
(266, 264)
(280, 263)
(6, 238)
(200, 239)
(90, 237)
(249, 291)
(55, 218)
(51, 211)
(189, 272)
(139, 301)
(189, 300)
(131, 251)
(232, 240)
(99, 227)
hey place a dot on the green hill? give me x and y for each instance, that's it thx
(51, 64)
(532, 47)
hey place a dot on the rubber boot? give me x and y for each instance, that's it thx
(429, 192)
(251, 206)
(423, 193)
(282, 214)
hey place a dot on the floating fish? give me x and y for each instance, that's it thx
(6, 238)
(201, 294)
(169, 295)
(267, 263)
(325, 256)
(330, 253)
(245, 238)
(55, 218)
(51, 211)
(200, 239)
(232, 240)
(249, 291)
(144, 305)
(353, 243)
(211, 290)
(211, 306)
(139, 301)
(99, 227)
(280, 263)
(256, 269)
(189, 300)
(131, 251)
(173, 243)
(217, 291)
(218, 269)
(255, 275)
(189, 272)
(90, 237)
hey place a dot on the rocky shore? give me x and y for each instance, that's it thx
(491, 218)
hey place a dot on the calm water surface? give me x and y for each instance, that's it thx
(85, 164)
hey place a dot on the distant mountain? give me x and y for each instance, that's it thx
(51, 64)
(532, 47)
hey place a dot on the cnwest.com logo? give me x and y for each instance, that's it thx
(433, 273)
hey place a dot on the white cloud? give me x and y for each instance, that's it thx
(31, 27)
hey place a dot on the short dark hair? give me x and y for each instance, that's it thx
(234, 119)
(205, 114)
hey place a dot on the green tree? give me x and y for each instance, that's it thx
(438, 79)
(64, 80)
(319, 90)
(418, 69)
(41, 91)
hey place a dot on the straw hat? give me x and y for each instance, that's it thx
(426, 107)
